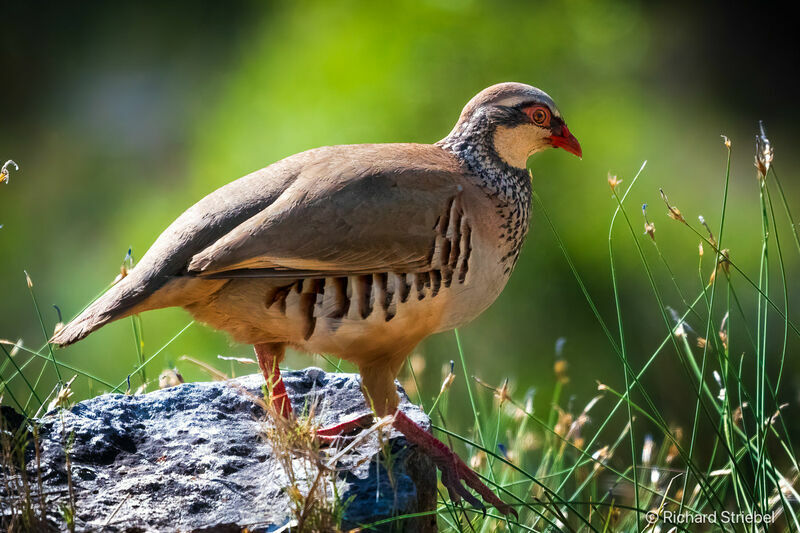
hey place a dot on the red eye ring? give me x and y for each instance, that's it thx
(539, 115)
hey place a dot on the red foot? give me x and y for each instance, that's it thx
(332, 434)
(453, 469)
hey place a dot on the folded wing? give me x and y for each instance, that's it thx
(346, 215)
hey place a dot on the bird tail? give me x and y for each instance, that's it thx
(117, 302)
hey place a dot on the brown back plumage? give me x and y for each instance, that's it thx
(325, 211)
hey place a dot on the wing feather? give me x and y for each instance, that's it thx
(375, 210)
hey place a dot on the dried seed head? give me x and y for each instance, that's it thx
(723, 332)
(601, 456)
(169, 378)
(725, 260)
(672, 453)
(63, 396)
(502, 394)
(701, 342)
(737, 416)
(4, 173)
(563, 424)
(764, 152)
(771, 420)
(126, 266)
(650, 229)
(28, 279)
(723, 336)
(582, 420)
(726, 142)
(60, 323)
(448, 379)
(560, 370)
(613, 181)
(700, 249)
(673, 212)
(723, 264)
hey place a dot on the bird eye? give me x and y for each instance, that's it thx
(539, 116)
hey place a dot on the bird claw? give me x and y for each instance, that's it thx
(455, 473)
(457, 491)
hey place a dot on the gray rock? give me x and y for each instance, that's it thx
(196, 458)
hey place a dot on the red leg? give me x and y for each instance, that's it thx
(269, 355)
(453, 469)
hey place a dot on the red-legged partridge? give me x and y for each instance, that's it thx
(358, 251)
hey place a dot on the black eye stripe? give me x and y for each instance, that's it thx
(516, 115)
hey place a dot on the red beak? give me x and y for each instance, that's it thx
(567, 141)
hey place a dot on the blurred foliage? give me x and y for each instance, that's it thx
(120, 119)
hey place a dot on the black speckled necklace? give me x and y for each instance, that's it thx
(508, 186)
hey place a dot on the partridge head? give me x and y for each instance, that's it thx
(517, 119)
(359, 251)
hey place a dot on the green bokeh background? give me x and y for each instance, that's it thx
(122, 117)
